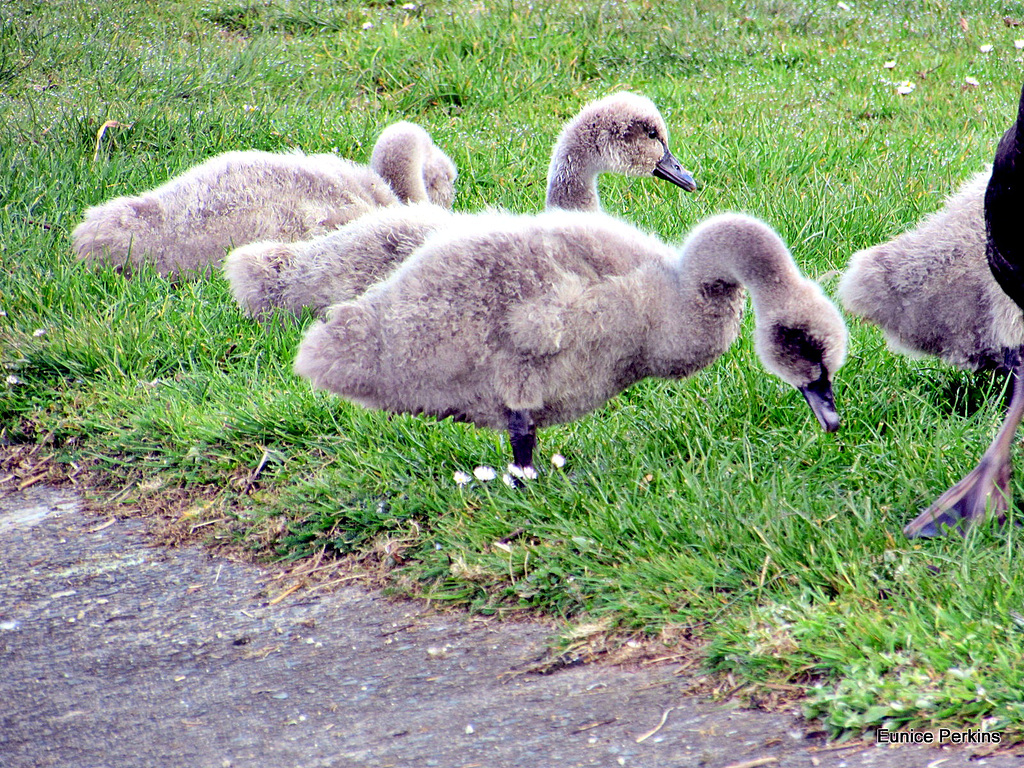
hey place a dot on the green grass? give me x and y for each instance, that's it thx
(714, 503)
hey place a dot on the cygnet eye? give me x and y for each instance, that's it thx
(652, 134)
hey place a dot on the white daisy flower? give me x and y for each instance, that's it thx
(1018, 44)
(891, 64)
(905, 87)
(987, 48)
(462, 478)
(973, 81)
(842, 6)
(558, 460)
(409, 7)
(484, 473)
(367, 25)
(39, 332)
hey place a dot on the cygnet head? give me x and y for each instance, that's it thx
(800, 335)
(415, 168)
(439, 174)
(806, 355)
(622, 133)
(804, 343)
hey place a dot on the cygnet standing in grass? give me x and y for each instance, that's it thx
(518, 322)
(931, 291)
(622, 133)
(235, 198)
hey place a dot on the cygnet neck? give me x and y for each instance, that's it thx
(572, 183)
(743, 251)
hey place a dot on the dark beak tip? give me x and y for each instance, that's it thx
(680, 178)
(828, 419)
(670, 169)
(819, 397)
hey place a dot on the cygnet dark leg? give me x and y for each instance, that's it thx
(1011, 361)
(1010, 368)
(522, 433)
(985, 489)
(1014, 369)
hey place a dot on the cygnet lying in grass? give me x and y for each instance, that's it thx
(191, 221)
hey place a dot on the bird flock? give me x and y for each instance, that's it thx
(515, 322)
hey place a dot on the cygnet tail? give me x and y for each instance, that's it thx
(342, 353)
(108, 234)
(258, 275)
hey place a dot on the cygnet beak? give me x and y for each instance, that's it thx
(818, 395)
(669, 169)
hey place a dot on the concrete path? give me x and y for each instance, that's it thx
(115, 653)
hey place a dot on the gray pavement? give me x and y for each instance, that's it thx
(117, 653)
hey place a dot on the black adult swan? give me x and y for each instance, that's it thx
(987, 487)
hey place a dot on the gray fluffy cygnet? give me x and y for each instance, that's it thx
(234, 198)
(519, 322)
(930, 289)
(622, 133)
